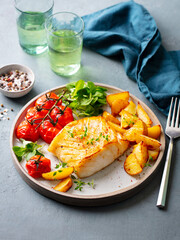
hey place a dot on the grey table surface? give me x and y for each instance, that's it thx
(25, 214)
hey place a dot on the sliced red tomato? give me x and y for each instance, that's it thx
(48, 100)
(27, 131)
(48, 131)
(63, 115)
(38, 165)
(35, 115)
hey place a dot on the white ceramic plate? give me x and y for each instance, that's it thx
(112, 184)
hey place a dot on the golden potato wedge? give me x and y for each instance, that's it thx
(138, 128)
(127, 119)
(142, 114)
(153, 154)
(59, 174)
(110, 118)
(64, 185)
(116, 127)
(122, 95)
(150, 142)
(131, 165)
(154, 132)
(131, 108)
(118, 105)
(141, 152)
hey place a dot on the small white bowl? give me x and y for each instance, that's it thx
(17, 93)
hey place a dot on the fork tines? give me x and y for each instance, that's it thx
(174, 112)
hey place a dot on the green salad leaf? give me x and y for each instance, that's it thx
(27, 150)
(85, 99)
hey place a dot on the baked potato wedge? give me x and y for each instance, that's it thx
(59, 174)
(154, 132)
(110, 117)
(153, 154)
(64, 185)
(112, 97)
(141, 152)
(118, 105)
(131, 165)
(131, 108)
(150, 142)
(127, 119)
(142, 114)
(138, 128)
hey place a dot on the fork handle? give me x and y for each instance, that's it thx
(161, 201)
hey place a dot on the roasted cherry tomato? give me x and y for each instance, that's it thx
(35, 115)
(38, 165)
(48, 131)
(27, 131)
(61, 115)
(47, 100)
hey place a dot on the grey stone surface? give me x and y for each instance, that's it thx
(25, 214)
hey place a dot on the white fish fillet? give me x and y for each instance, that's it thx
(88, 144)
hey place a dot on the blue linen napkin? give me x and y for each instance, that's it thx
(128, 32)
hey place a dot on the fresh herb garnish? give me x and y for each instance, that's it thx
(107, 138)
(58, 165)
(85, 133)
(91, 184)
(28, 150)
(85, 99)
(147, 164)
(92, 139)
(73, 177)
(63, 165)
(71, 134)
(80, 183)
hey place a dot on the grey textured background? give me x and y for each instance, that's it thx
(25, 214)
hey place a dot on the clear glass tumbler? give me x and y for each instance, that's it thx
(31, 16)
(65, 39)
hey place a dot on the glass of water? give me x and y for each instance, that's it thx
(31, 16)
(65, 39)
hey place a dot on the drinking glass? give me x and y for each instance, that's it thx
(65, 39)
(31, 16)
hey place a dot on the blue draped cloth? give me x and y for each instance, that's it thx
(128, 32)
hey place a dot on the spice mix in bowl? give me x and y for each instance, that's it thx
(16, 80)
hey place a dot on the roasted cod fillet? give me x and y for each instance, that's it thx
(88, 144)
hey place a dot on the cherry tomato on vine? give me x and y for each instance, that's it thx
(48, 100)
(62, 114)
(38, 165)
(27, 131)
(48, 131)
(35, 115)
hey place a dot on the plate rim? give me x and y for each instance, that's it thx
(86, 200)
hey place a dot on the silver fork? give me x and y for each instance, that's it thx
(172, 131)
